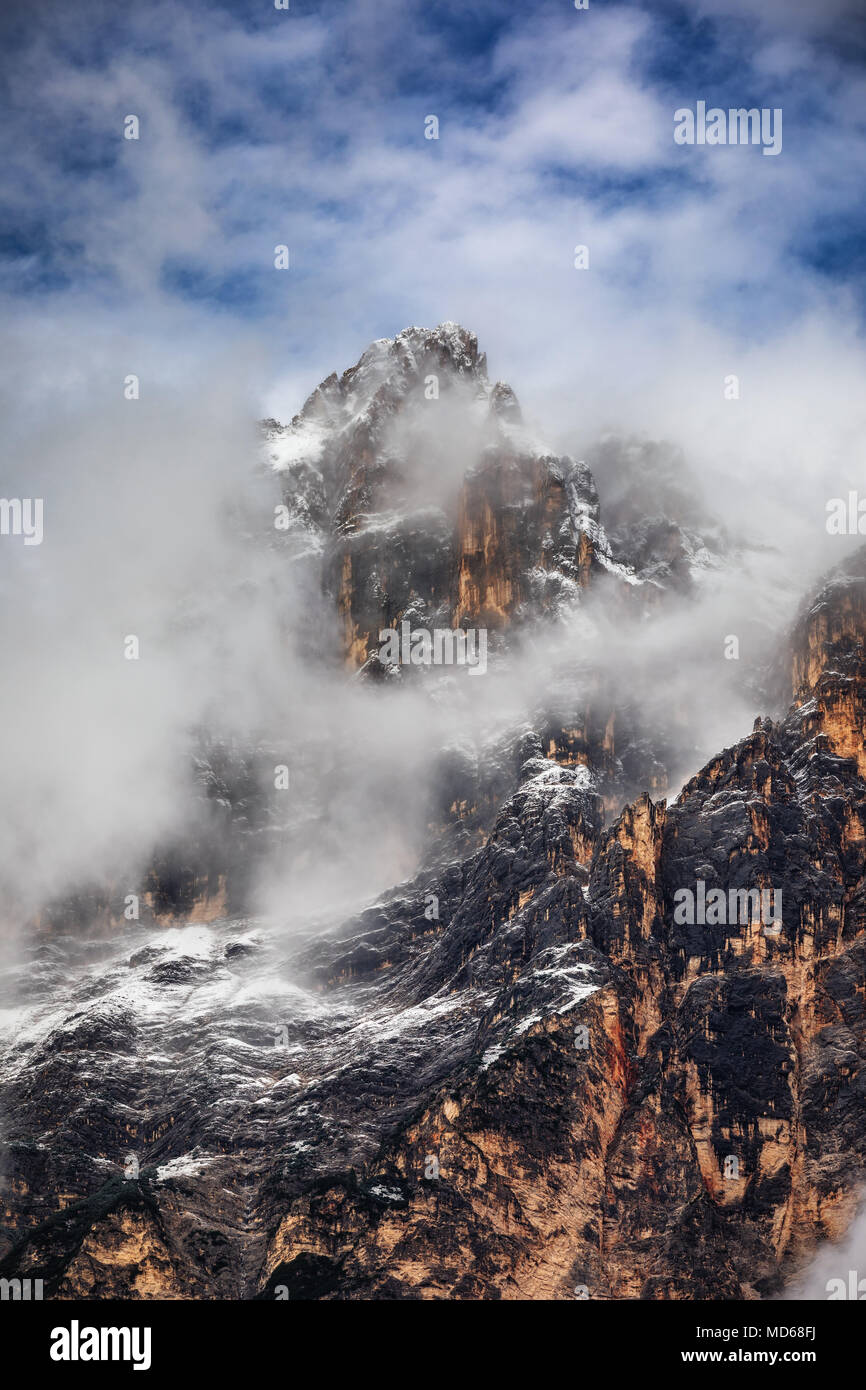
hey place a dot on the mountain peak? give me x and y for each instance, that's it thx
(458, 346)
(388, 372)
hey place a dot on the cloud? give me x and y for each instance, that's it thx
(306, 127)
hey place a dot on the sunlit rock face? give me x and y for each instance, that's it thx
(573, 1057)
(827, 671)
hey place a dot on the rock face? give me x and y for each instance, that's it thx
(826, 669)
(589, 1055)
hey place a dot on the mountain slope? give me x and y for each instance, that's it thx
(516, 1078)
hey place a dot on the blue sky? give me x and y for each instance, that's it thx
(306, 127)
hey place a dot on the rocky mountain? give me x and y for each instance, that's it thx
(600, 1046)
(414, 477)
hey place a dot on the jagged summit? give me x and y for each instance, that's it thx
(392, 373)
(457, 344)
(449, 345)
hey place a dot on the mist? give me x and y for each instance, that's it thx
(155, 257)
